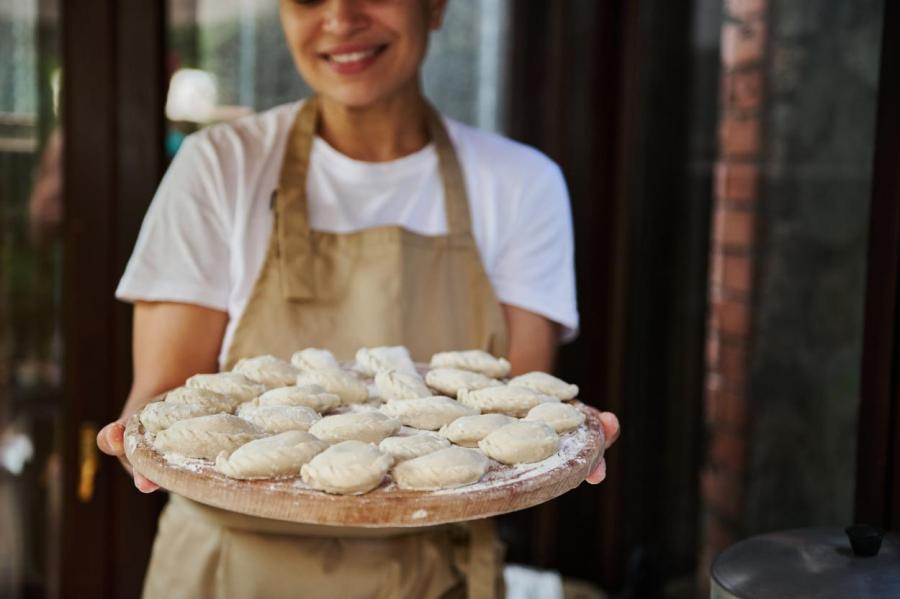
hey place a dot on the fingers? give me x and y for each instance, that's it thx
(598, 474)
(611, 431)
(110, 439)
(610, 427)
(144, 484)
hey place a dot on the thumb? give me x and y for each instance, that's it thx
(110, 439)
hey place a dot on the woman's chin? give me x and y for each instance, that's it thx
(360, 96)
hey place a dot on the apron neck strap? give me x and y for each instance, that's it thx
(456, 200)
(292, 209)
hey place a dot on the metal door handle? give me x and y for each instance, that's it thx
(87, 461)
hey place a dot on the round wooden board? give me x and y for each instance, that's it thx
(503, 488)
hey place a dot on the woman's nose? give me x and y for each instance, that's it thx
(343, 17)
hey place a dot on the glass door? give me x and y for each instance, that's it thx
(31, 210)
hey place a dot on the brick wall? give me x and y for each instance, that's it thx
(732, 275)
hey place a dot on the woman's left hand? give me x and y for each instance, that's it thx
(610, 433)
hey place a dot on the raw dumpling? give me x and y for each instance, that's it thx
(314, 359)
(310, 396)
(227, 383)
(474, 360)
(217, 402)
(397, 384)
(206, 436)
(469, 430)
(372, 360)
(412, 446)
(443, 469)
(160, 415)
(521, 442)
(370, 427)
(450, 380)
(546, 384)
(561, 416)
(512, 401)
(278, 419)
(268, 370)
(343, 384)
(350, 467)
(428, 413)
(278, 455)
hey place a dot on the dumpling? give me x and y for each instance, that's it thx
(449, 381)
(267, 370)
(474, 360)
(312, 358)
(310, 396)
(443, 469)
(278, 419)
(521, 442)
(428, 413)
(469, 430)
(343, 384)
(160, 415)
(217, 402)
(397, 384)
(347, 468)
(227, 383)
(546, 384)
(279, 455)
(412, 446)
(512, 401)
(372, 360)
(561, 416)
(206, 436)
(370, 427)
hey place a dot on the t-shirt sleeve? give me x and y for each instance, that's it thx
(535, 269)
(182, 251)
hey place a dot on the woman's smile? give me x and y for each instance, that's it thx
(351, 59)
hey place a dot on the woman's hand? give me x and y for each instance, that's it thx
(610, 433)
(170, 343)
(111, 441)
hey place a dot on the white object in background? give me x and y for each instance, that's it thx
(15, 450)
(193, 96)
(528, 583)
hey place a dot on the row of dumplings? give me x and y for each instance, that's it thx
(252, 430)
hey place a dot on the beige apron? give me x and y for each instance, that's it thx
(379, 286)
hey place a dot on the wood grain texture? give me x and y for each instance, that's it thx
(503, 489)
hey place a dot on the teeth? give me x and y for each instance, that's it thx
(352, 56)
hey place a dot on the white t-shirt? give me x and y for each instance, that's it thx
(206, 233)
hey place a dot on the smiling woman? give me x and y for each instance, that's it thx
(357, 217)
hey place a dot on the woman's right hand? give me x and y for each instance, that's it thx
(170, 343)
(111, 441)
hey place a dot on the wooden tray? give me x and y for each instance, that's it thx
(503, 488)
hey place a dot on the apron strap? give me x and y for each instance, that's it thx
(295, 254)
(481, 575)
(294, 237)
(456, 201)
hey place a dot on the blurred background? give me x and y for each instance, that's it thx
(733, 172)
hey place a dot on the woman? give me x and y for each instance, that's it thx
(356, 218)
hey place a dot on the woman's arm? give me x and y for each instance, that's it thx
(170, 343)
(533, 340)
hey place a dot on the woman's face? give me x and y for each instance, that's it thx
(359, 52)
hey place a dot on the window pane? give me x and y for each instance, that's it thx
(30, 368)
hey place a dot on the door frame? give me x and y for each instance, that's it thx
(113, 98)
(878, 436)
